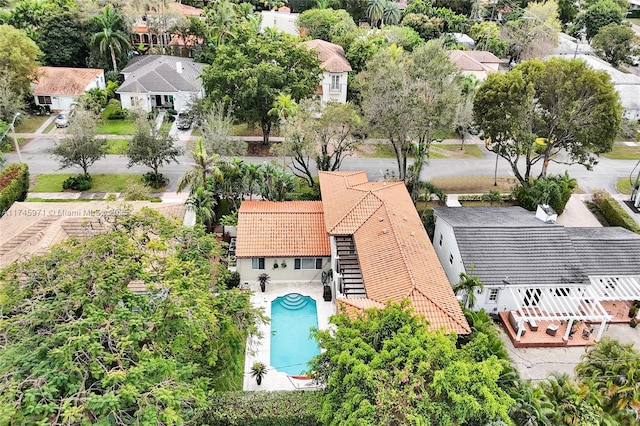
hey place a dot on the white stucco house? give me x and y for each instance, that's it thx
(333, 86)
(59, 87)
(160, 81)
(282, 20)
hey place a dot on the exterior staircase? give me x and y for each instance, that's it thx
(349, 268)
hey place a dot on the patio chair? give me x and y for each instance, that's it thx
(586, 334)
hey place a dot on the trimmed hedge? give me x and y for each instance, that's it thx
(14, 185)
(262, 409)
(613, 212)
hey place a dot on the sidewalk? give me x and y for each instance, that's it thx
(166, 197)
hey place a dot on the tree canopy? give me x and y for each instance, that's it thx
(18, 58)
(615, 43)
(600, 14)
(406, 96)
(80, 147)
(385, 367)
(574, 109)
(80, 347)
(250, 75)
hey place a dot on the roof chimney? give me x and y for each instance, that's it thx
(179, 67)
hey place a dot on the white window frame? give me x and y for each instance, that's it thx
(42, 100)
(335, 83)
(451, 258)
(440, 239)
(493, 295)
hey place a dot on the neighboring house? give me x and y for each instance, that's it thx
(366, 236)
(475, 62)
(152, 29)
(160, 81)
(571, 46)
(463, 39)
(58, 87)
(541, 270)
(33, 228)
(282, 20)
(333, 86)
(286, 240)
(627, 85)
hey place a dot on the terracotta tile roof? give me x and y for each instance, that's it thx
(473, 60)
(64, 81)
(396, 257)
(186, 10)
(281, 229)
(331, 55)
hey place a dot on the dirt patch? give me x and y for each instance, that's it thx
(258, 149)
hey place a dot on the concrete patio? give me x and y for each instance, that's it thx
(259, 350)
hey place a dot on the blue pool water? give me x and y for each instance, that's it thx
(292, 348)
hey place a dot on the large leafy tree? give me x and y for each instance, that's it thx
(535, 34)
(327, 135)
(600, 14)
(250, 75)
(385, 367)
(324, 23)
(79, 347)
(153, 147)
(406, 97)
(18, 58)
(62, 37)
(110, 38)
(80, 147)
(615, 43)
(573, 108)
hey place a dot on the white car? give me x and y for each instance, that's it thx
(634, 61)
(62, 121)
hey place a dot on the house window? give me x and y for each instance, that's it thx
(532, 297)
(44, 100)
(440, 240)
(493, 295)
(257, 263)
(308, 263)
(563, 291)
(451, 258)
(335, 83)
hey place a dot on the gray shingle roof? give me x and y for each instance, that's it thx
(607, 251)
(521, 255)
(158, 73)
(488, 217)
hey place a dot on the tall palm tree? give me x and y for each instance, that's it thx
(375, 11)
(110, 38)
(203, 204)
(391, 13)
(204, 165)
(468, 284)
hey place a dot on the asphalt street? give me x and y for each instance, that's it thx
(37, 154)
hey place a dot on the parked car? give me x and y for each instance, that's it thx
(62, 121)
(635, 61)
(183, 120)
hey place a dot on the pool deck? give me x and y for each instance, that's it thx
(259, 350)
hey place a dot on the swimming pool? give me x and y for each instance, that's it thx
(292, 348)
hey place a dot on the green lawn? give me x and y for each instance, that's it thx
(624, 186)
(30, 123)
(117, 146)
(634, 20)
(438, 150)
(116, 127)
(101, 182)
(469, 150)
(474, 184)
(623, 152)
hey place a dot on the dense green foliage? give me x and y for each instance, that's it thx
(262, 409)
(600, 14)
(386, 367)
(15, 185)
(574, 108)
(80, 347)
(77, 182)
(80, 147)
(250, 75)
(615, 43)
(613, 212)
(325, 24)
(554, 190)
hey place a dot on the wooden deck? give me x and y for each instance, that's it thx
(540, 339)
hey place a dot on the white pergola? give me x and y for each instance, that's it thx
(562, 302)
(612, 288)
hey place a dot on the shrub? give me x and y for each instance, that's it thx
(554, 190)
(262, 408)
(153, 180)
(14, 185)
(232, 280)
(137, 192)
(77, 182)
(114, 111)
(613, 212)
